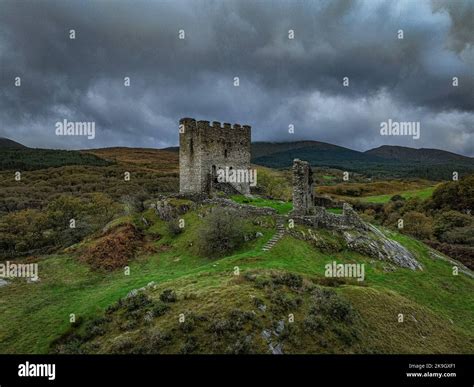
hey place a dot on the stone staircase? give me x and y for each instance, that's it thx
(280, 226)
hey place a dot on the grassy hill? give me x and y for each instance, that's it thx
(224, 312)
(420, 155)
(229, 313)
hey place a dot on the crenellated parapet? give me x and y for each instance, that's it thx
(191, 123)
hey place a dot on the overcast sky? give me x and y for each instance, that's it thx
(282, 81)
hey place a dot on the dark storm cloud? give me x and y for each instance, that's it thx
(282, 81)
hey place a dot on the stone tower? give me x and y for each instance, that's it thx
(303, 185)
(205, 148)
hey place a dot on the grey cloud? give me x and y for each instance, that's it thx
(281, 81)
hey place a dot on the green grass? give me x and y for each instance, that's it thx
(334, 210)
(32, 315)
(422, 194)
(280, 206)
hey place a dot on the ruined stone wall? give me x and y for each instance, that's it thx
(204, 148)
(322, 218)
(303, 185)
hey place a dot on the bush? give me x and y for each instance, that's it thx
(173, 227)
(293, 281)
(447, 221)
(168, 295)
(314, 324)
(135, 302)
(190, 345)
(396, 198)
(122, 345)
(189, 324)
(455, 195)
(159, 309)
(332, 305)
(418, 225)
(156, 340)
(222, 233)
(115, 249)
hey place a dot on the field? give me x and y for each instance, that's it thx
(422, 194)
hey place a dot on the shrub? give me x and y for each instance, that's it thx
(283, 302)
(190, 345)
(314, 324)
(173, 227)
(122, 345)
(293, 281)
(222, 232)
(113, 250)
(459, 235)
(156, 340)
(159, 309)
(396, 198)
(448, 221)
(455, 195)
(332, 305)
(168, 295)
(189, 324)
(241, 346)
(418, 225)
(135, 302)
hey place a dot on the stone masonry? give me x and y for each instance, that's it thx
(205, 148)
(303, 186)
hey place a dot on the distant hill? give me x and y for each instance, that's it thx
(261, 149)
(10, 144)
(281, 155)
(385, 161)
(411, 154)
(171, 149)
(28, 159)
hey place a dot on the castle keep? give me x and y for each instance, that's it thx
(205, 148)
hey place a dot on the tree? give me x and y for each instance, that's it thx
(222, 232)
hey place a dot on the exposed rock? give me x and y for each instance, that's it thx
(376, 245)
(276, 350)
(3, 282)
(280, 327)
(167, 210)
(366, 239)
(266, 334)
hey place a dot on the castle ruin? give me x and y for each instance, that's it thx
(204, 149)
(303, 187)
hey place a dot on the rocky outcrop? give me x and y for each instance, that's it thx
(375, 244)
(357, 236)
(171, 208)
